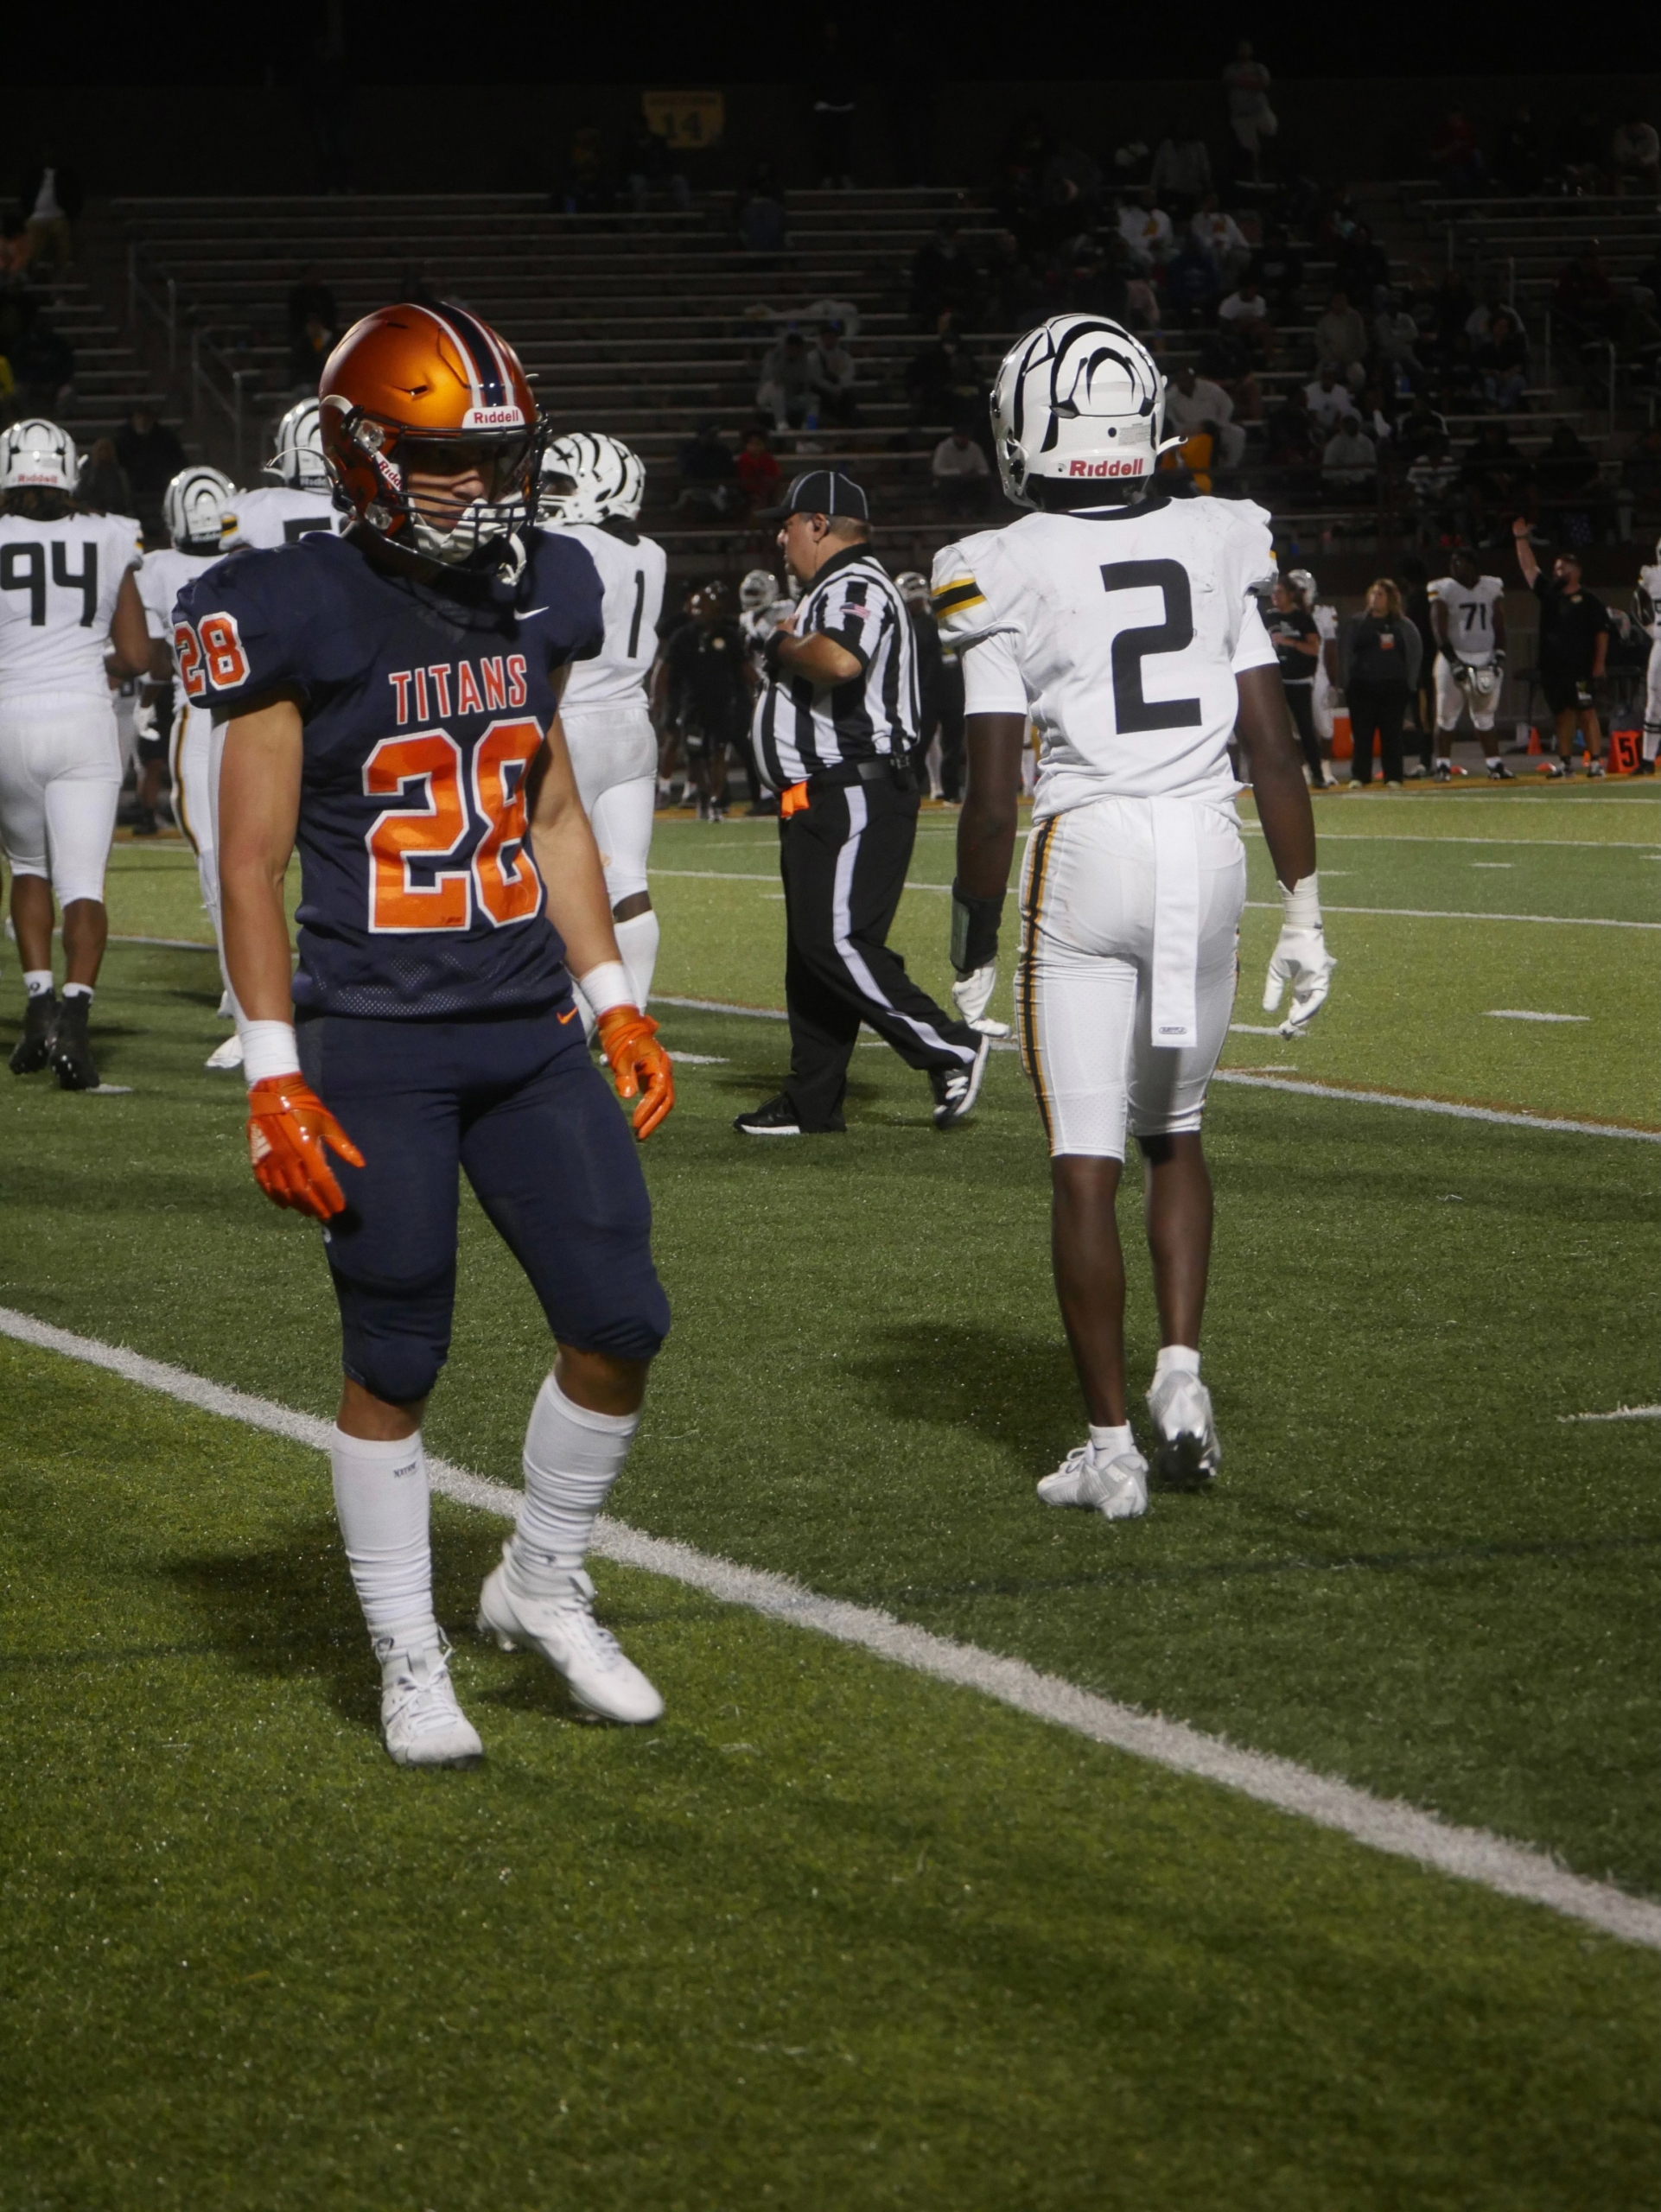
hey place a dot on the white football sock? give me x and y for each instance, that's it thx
(37, 982)
(1493, 760)
(77, 990)
(1110, 1442)
(381, 1501)
(637, 943)
(572, 1457)
(1178, 1359)
(1651, 741)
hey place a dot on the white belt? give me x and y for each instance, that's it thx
(1176, 921)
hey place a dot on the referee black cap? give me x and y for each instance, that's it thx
(821, 491)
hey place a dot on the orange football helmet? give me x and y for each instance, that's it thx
(433, 392)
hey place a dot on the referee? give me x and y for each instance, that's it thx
(835, 726)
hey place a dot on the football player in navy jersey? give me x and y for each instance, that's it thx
(389, 702)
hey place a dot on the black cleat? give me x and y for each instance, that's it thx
(955, 1093)
(1442, 772)
(777, 1118)
(34, 1048)
(72, 1056)
(1500, 773)
(145, 824)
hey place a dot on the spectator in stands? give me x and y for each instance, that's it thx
(1641, 485)
(1291, 432)
(1245, 315)
(1015, 290)
(587, 186)
(943, 277)
(43, 363)
(944, 381)
(1502, 363)
(1330, 399)
(1362, 265)
(961, 474)
(1419, 428)
(52, 200)
(1222, 237)
(1378, 660)
(1190, 463)
(1341, 338)
(1249, 116)
(1194, 403)
(1566, 475)
(311, 348)
(103, 482)
(1638, 332)
(1279, 271)
(309, 295)
(1583, 299)
(1493, 478)
(1181, 175)
(1582, 141)
(1395, 340)
(1140, 305)
(16, 248)
(758, 472)
(830, 377)
(1457, 158)
(1518, 161)
(1146, 229)
(1070, 188)
(649, 167)
(1635, 157)
(1191, 284)
(785, 390)
(1373, 411)
(759, 212)
(1431, 479)
(1349, 463)
(152, 456)
(708, 476)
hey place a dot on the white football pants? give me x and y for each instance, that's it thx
(1085, 985)
(1652, 705)
(1453, 699)
(60, 781)
(191, 763)
(615, 758)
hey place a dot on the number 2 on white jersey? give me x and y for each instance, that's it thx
(1131, 711)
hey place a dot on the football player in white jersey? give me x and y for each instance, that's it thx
(301, 500)
(70, 619)
(1467, 612)
(592, 485)
(764, 606)
(195, 507)
(1649, 615)
(1124, 623)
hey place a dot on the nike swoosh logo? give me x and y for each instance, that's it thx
(571, 1016)
(530, 611)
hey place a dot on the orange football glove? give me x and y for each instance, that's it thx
(289, 1125)
(639, 1066)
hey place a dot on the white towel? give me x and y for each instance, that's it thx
(1176, 921)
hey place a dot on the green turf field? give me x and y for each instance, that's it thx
(835, 1936)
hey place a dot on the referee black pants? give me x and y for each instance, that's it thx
(844, 858)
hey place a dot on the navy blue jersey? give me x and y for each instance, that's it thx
(424, 704)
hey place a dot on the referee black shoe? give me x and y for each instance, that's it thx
(955, 1093)
(776, 1119)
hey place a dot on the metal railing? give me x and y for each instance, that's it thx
(158, 297)
(207, 365)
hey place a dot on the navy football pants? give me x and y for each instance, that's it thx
(516, 1103)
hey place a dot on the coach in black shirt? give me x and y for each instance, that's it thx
(1573, 641)
(835, 727)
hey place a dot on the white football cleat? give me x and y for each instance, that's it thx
(560, 1623)
(229, 1054)
(420, 1719)
(1187, 1453)
(1116, 1488)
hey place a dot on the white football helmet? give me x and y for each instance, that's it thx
(1302, 579)
(913, 587)
(36, 452)
(195, 507)
(1077, 397)
(758, 591)
(298, 461)
(587, 475)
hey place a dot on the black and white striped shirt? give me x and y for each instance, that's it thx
(802, 727)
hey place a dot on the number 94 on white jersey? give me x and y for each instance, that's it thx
(1120, 632)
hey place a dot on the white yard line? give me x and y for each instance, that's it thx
(1407, 837)
(1520, 1014)
(1620, 1413)
(1469, 1854)
(1264, 1082)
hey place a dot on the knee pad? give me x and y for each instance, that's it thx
(395, 1343)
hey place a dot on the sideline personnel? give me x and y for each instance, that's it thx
(834, 732)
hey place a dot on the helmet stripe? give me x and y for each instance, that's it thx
(486, 362)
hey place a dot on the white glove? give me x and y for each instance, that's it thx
(971, 994)
(144, 717)
(1300, 958)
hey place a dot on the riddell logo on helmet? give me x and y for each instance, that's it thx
(492, 418)
(1106, 467)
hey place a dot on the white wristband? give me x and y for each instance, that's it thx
(268, 1049)
(607, 986)
(1302, 904)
